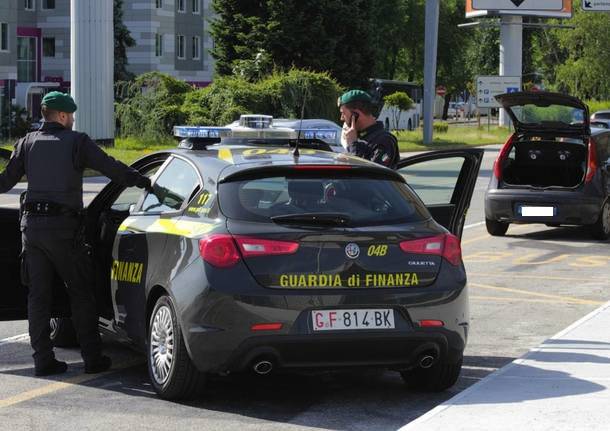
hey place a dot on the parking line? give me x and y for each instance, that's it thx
(507, 299)
(567, 299)
(534, 277)
(57, 386)
(14, 339)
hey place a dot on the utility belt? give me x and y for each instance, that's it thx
(48, 209)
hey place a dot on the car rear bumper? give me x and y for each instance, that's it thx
(569, 207)
(225, 343)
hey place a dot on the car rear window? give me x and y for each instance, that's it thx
(532, 114)
(364, 201)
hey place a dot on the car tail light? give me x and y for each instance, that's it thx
(219, 250)
(446, 245)
(503, 156)
(266, 327)
(251, 247)
(591, 161)
(431, 323)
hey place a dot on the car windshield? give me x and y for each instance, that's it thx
(349, 201)
(552, 114)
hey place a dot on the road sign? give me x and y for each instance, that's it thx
(596, 5)
(517, 5)
(542, 8)
(490, 86)
(441, 90)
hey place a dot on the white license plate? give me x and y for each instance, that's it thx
(537, 211)
(330, 320)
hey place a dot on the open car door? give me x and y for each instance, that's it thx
(444, 181)
(13, 305)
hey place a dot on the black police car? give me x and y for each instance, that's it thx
(554, 169)
(250, 258)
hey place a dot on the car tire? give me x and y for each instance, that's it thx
(63, 333)
(440, 376)
(496, 228)
(172, 373)
(601, 228)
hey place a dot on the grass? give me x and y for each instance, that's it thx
(455, 137)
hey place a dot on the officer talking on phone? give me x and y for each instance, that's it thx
(363, 135)
(53, 158)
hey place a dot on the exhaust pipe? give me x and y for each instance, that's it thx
(262, 367)
(426, 361)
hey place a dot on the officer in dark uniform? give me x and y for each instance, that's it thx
(53, 158)
(363, 135)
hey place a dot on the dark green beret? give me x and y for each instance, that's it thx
(353, 96)
(58, 101)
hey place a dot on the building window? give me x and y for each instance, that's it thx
(196, 6)
(26, 59)
(29, 4)
(181, 7)
(196, 48)
(48, 4)
(48, 46)
(159, 4)
(158, 45)
(3, 36)
(180, 46)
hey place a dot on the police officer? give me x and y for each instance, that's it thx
(363, 135)
(53, 158)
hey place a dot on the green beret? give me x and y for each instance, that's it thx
(353, 96)
(58, 101)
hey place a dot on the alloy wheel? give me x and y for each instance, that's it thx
(161, 348)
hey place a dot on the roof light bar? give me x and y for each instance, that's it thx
(201, 132)
(321, 134)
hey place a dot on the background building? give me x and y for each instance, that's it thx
(171, 37)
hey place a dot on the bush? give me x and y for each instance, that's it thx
(152, 105)
(598, 105)
(441, 127)
(279, 95)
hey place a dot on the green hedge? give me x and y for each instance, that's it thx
(154, 102)
(598, 105)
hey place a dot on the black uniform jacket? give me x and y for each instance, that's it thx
(53, 158)
(378, 145)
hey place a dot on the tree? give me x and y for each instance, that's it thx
(398, 102)
(320, 35)
(122, 41)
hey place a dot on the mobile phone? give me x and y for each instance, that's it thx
(354, 118)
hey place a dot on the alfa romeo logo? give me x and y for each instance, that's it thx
(352, 250)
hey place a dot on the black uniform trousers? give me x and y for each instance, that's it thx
(50, 251)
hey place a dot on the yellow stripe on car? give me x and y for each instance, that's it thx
(226, 155)
(190, 229)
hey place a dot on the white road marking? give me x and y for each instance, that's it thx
(474, 225)
(15, 339)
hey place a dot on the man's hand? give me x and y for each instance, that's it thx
(144, 183)
(350, 134)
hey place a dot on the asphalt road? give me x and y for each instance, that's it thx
(523, 288)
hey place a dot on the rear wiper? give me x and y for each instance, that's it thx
(337, 219)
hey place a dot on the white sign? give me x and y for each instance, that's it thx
(517, 5)
(596, 5)
(490, 86)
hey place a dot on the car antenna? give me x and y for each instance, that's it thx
(295, 152)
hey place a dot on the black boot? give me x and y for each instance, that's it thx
(52, 367)
(98, 365)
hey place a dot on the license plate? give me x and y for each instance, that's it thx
(537, 211)
(331, 320)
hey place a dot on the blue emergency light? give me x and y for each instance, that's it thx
(201, 132)
(326, 135)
